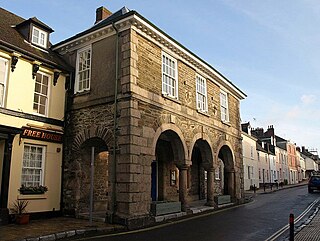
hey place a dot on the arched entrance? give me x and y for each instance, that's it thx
(202, 160)
(101, 177)
(226, 163)
(164, 172)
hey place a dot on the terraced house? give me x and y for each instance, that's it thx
(160, 124)
(32, 100)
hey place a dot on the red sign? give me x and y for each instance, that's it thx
(41, 135)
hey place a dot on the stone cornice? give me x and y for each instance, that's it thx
(154, 34)
(168, 44)
(94, 36)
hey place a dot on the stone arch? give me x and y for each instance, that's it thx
(79, 168)
(100, 178)
(229, 155)
(94, 132)
(201, 162)
(225, 154)
(205, 145)
(169, 150)
(179, 153)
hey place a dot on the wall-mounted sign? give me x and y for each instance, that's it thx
(41, 135)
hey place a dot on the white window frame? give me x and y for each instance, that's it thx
(42, 38)
(201, 94)
(25, 160)
(41, 94)
(224, 106)
(4, 83)
(251, 152)
(169, 73)
(77, 81)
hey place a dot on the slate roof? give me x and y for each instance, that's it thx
(37, 21)
(260, 148)
(12, 41)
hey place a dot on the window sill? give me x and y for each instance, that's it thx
(171, 98)
(38, 114)
(203, 112)
(85, 92)
(227, 123)
(32, 196)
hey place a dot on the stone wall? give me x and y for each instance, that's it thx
(143, 114)
(82, 125)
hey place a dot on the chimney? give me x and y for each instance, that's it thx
(102, 13)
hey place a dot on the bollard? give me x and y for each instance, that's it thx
(254, 188)
(291, 224)
(264, 187)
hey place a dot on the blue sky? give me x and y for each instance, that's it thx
(269, 49)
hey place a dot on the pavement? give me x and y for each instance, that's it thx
(54, 229)
(67, 227)
(311, 230)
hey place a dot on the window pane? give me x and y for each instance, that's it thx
(201, 93)
(35, 35)
(42, 110)
(83, 75)
(32, 165)
(44, 90)
(42, 38)
(37, 87)
(45, 80)
(43, 100)
(1, 94)
(169, 81)
(41, 93)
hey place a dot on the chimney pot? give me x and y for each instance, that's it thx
(102, 13)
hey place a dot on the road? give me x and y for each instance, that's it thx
(257, 220)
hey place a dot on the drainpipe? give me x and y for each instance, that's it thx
(64, 142)
(114, 164)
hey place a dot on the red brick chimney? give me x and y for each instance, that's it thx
(102, 13)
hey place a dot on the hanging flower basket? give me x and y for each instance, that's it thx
(33, 190)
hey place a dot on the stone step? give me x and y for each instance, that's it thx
(96, 216)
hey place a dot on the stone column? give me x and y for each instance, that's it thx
(210, 188)
(183, 186)
(231, 185)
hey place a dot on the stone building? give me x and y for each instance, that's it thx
(162, 125)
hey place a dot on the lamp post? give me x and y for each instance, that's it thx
(91, 185)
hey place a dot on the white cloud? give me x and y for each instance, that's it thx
(308, 99)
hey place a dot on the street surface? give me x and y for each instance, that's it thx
(257, 220)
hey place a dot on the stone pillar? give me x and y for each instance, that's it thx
(210, 188)
(183, 186)
(231, 185)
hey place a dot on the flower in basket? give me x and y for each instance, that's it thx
(33, 189)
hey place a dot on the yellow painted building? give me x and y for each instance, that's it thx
(32, 103)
